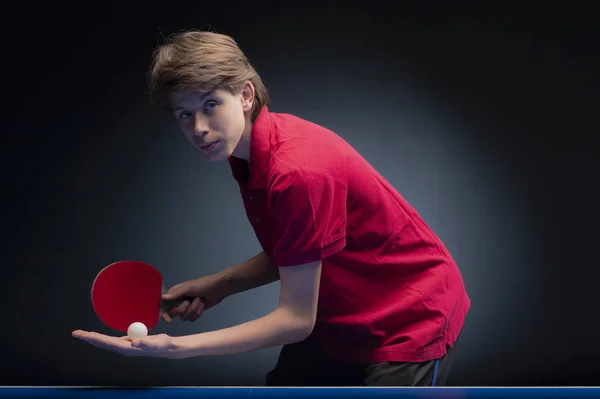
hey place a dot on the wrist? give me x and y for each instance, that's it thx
(181, 348)
(223, 283)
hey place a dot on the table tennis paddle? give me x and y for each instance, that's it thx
(130, 291)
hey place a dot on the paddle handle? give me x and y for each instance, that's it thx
(171, 303)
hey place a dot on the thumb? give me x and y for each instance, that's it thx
(142, 343)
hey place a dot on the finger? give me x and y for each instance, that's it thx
(166, 317)
(143, 343)
(99, 339)
(78, 333)
(192, 309)
(120, 345)
(137, 346)
(104, 341)
(199, 312)
(88, 336)
(179, 309)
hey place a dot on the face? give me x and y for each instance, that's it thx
(216, 123)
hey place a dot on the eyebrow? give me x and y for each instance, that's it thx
(202, 97)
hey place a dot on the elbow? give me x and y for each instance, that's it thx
(299, 326)
(301, 331)
(298, 323)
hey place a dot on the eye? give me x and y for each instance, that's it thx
(185, 115)
(210, 105)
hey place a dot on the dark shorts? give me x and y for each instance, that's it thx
(304, 364)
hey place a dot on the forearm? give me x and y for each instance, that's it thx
(252, 273)
(279, 327)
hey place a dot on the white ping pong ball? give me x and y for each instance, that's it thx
(137, 330)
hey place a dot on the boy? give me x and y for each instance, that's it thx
(369, 294)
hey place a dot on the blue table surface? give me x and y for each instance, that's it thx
(297, 393)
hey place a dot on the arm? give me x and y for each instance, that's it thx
(292, 320)
(252, 273)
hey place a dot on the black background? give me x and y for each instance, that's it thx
(484, 117)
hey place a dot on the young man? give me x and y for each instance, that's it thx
(369, 294)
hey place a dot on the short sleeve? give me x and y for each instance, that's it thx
(309, 211)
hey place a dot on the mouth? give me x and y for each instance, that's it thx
(208, 147)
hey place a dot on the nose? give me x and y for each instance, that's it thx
(200, 125)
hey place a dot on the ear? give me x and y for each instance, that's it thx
(247, 96)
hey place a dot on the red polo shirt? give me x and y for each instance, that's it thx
(390, 290)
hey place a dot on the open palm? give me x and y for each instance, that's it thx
(160, 345)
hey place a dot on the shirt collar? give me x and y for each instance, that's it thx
(260, 154)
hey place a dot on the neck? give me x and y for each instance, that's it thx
(242, 150)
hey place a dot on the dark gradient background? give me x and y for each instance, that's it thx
(484, 119)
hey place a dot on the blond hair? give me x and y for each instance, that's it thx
(204, 61)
